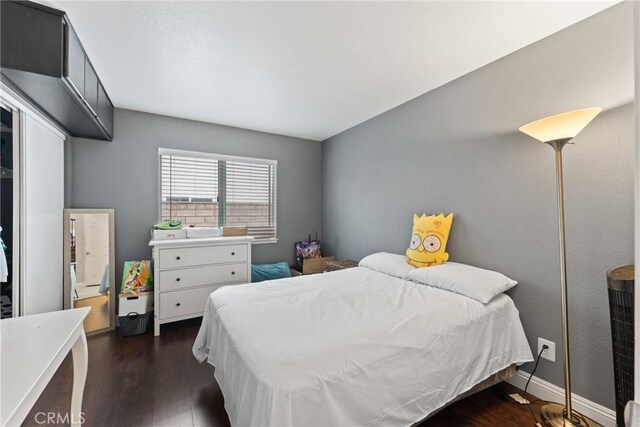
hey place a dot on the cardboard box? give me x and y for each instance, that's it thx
(316, 265)
(234, 231)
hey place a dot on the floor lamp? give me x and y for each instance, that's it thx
(557, 131)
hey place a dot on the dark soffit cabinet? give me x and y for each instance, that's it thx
(42, 58)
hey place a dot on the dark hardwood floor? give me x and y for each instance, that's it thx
(147, 381)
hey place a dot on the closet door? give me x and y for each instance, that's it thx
(43, 203)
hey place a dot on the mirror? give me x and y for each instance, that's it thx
(89, 266)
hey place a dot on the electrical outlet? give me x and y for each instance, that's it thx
(549, 353)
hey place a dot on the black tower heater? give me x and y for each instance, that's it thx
(620, 281)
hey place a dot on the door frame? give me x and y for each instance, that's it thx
(16, 272)
(637, 199)
(21, 109)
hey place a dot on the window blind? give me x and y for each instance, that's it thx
(203, 189)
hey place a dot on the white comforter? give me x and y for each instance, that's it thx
(353, 347)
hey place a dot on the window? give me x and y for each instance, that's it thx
(204, 189)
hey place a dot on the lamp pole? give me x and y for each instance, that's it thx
(557, 131)
(557, 146)
(554, 414)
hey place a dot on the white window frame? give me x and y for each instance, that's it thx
(223, 157)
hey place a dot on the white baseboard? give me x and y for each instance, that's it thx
(552, 393)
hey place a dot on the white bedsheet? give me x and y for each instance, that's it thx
(352, 347)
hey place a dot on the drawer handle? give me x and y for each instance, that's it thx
(233, 272)
(233, 253)
(178, 258)
(177, 304)
(177, 279)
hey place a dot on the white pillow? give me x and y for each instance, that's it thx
(474, 282)
(391, 264)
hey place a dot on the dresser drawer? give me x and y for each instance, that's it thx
(199, 276)
(183, 303)
(187, 257)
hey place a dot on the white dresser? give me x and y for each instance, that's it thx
(186, 271)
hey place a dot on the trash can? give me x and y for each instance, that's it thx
(620, 283)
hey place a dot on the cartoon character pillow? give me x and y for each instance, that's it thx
(429, 240)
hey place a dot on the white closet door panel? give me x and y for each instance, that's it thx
(43, 195)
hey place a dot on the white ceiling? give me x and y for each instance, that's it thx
(305, 69)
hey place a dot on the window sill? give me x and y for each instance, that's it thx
(264, 241)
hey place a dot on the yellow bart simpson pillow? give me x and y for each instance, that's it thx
(429, 240)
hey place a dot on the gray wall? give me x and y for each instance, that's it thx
(123, 174)
(457, 149)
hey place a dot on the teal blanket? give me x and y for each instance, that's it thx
(262, 272)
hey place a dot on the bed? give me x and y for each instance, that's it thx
(353, 347)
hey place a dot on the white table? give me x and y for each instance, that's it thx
(31, 350)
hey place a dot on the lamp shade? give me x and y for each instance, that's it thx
(561, 126)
